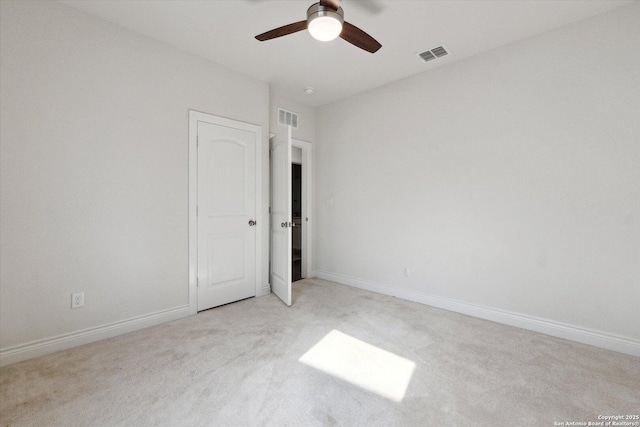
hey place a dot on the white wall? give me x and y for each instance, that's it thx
(510, 181)
(94, 159)
(296, 155)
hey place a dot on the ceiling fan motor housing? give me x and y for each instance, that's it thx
(317, 10)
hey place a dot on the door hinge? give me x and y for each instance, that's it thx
(197, 282)
(197, 211)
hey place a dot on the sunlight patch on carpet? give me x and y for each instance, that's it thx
(361, 364)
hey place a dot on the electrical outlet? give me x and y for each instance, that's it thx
(77, 300)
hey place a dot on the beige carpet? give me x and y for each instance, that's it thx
(338, 356)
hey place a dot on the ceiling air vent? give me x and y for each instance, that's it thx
(436, 52)
(427, 56)
(286, 118)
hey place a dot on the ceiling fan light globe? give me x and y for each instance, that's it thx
(324, 23)
(325, 28)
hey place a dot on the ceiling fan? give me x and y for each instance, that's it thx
(325, 21)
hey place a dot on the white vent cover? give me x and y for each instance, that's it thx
(286, 118)
(436, 52)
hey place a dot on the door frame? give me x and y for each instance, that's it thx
(194, 118)
(307, 204)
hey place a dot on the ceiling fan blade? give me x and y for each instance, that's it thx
(283, 31)
(359, 38)
(333, 4)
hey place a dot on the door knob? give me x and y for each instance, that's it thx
(251, 223)
(283, 225)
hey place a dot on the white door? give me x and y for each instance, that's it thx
(226, 213)
(281, 216)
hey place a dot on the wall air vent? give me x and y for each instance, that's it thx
(436, 52)
(286, 118)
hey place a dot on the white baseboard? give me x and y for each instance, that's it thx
(545, 326)
(42, 347)
(265, 290)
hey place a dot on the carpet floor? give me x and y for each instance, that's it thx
(338, 356)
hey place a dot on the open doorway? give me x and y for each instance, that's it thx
(281, 213)
(301, 199)
(296, 213)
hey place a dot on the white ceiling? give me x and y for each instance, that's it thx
(223, 31)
